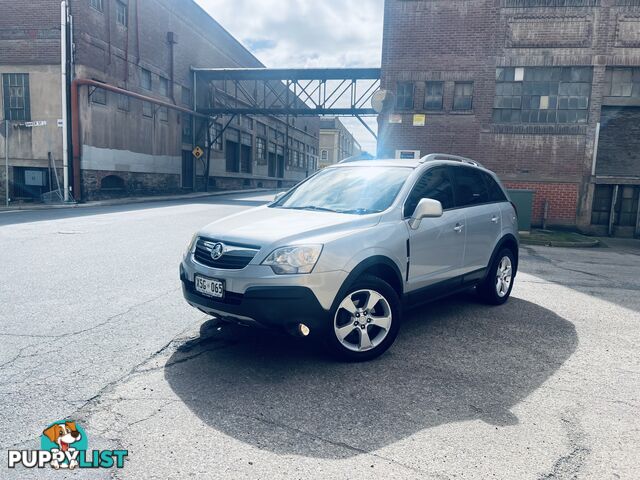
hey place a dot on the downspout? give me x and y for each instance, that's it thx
(65, 100)
(75, 119)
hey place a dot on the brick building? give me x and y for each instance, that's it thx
(336, 142)
(128, 145)
(544, 92)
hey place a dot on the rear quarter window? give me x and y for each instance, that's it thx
(470, 187)
(496, 194)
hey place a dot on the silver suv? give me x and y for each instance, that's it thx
(342, 254)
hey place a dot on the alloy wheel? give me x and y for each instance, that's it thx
(504, 276)
(363, 320)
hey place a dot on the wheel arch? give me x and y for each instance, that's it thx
(377, 266)
(508, 241)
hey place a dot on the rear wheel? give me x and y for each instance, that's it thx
(366, 321)
(496, 288)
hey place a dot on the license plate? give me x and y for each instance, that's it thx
(210, 287)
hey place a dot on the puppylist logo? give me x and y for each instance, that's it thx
(64, 445)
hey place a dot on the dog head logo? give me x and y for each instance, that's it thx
(63, 434)
(66, 437)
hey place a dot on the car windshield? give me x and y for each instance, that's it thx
(352, 190)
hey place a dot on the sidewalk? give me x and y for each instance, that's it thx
(625, 245)
(129, 200)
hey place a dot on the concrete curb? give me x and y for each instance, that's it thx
(133, 200)
(552, 243)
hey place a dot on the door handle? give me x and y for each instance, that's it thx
(494, 219)
(458, 228)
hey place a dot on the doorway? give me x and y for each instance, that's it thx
(187, 170)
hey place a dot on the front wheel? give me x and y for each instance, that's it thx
(497, 287)
(366, 321)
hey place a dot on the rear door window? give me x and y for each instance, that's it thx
(436, 184)
(470, 187)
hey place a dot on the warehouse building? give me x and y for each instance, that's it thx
(336, 142)
(544, 92)
(133, 144)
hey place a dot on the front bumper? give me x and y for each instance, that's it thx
(270, 307)
(256, 296)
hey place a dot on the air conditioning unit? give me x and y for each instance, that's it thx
(408, 154)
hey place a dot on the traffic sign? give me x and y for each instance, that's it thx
(197, 152)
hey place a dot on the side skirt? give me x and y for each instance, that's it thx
(443, 289)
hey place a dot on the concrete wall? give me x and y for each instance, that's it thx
(29, 147)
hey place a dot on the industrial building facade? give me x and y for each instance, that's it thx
(544, 92)
(126, 145)
(336, 142)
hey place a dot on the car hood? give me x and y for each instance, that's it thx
(264, 226)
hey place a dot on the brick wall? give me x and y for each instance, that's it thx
(619, 145)
(466, 40)
(29, 32)
(561, 197)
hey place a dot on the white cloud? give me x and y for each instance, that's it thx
(308, 33)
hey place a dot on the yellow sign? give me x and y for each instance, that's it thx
(197, 152)
(419, 120)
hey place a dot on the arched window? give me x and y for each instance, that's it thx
(112, 182)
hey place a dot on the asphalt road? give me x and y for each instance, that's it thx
(93, 327)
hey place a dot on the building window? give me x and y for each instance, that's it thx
(542, 95)
(186, 96)
(261, 128)
(123, 103)
(216, 136)
(247, 122)
(187, 136)
(624, 82)
(163, 113)
(121, 13)
(97, 4)
(147, 110)
(404, 96)
(261, 150)
(324, 155)
(17, 105)
(463, 96)
(164, 86)
(434, 92)
(98, 95)
(145, 79)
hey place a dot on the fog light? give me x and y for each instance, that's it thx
(303, 330)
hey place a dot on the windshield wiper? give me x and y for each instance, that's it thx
(358, 211)
(314, 208)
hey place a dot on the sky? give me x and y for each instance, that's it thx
(308, 33)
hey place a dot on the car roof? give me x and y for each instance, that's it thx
(431, 159)
(389, 162)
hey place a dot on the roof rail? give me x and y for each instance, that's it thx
(443, 156)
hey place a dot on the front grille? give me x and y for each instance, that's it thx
(236, 256)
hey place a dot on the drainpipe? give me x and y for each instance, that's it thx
(76, 142)
(65, 101)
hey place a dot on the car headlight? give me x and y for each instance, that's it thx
(191, 243)
(292, 260)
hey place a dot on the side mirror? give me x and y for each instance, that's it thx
(279, 196)
(427, 208)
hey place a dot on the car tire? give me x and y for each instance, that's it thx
(496, 287)
(365, 320)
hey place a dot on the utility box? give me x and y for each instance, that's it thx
(523, 200)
